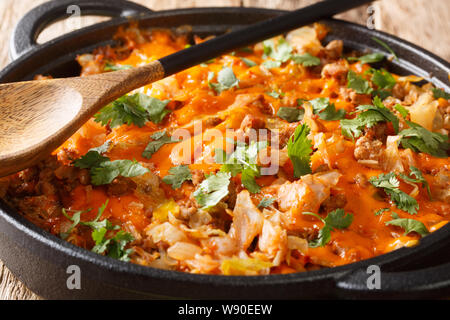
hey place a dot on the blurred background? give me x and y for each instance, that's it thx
(425, 23)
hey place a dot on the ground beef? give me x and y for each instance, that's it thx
(368, 149)
(398, 91)
(285, 133)
(361, 180)
(335, 70)
(230, 199)
(333, 50)
(333, 202)
(121, 186)
(252, 122)
(197, 177)
(445, 112)
(187, 207)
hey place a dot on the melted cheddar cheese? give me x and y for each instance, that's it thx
(169, 228)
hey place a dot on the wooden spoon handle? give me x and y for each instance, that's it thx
(207, 50)
(100, 89)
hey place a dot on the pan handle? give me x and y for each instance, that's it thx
(433, 282)
(34, 22)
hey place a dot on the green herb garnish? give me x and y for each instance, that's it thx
(336, 219)
(370, 115)
(266, 202)
(384, 45)
(358, 83)
(368, 58)
(306, 60)
(159, 139)
(177, 176)
(213, 189)
(291, 114)
(409, 225)
(326, 110)
(439, 93)
(133, 109)
(419, 139)
(243, 160)
(299, 151)
(226, 80)
(390, 184)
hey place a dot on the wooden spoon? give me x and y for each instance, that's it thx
(38, 116)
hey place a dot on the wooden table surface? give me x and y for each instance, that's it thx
(423, 22)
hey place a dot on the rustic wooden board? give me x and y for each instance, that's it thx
(424, 22)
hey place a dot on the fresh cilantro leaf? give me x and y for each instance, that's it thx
(249, 63)
(116, 246)
(402, 110)
(107, 171)
(420, 139)
(307, 60)
(269, 64)
(177, 176)
(266, 202)
(291, 114)
(248, 180)
(352, 128)
(382, 94)
(89, 160)
(381, 211)
(370, 115)
(159, 139)
(156, 109)
(384, 45)
(368, 58)
(75, 219)
(299, 151)
(132, 109)
(113, 247)
(225, 80)
(418, 178)
(383, 79)
(103, 148)
(439, 93)
(244, 160)
(385, 112)
(358, 83)
(268, 47)
(282, 52)
(112, 67)
(336, 219)
(390, 184)
(409, 225)
(394, 215)
(213, 189)
(326, 110)
(122, 111)
(95, 224)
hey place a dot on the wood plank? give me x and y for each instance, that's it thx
(424, 23)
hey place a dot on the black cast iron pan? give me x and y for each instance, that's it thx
(41, 260)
